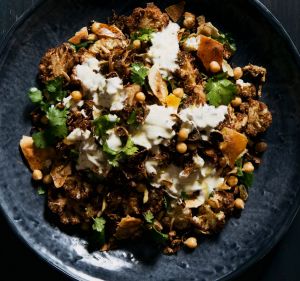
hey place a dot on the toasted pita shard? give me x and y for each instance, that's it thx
(59, 173)
(234, 144)
(37, 158)
(210, 50)
(130, 92)
(157, 84)
(176, 11)
(80, 35)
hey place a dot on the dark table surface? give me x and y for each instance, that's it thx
(17, 262)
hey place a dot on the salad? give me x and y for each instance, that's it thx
(143, 128)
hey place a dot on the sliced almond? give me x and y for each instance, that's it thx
(59, 174)
(157, 84)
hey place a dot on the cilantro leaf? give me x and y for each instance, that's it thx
(247, 179)
(129, 148)
(244, 178)
(104, 123)
(35, 95)
(41, 190)
(99, 226)
(144, 34)
(148, 217)
(82, 45)
(132, 118)
(239, 165)
(220, 92)
(57, 128)
(139, 73)
(159, 237)
(226, 39)
(56, 116)
(55, 89)
(40, 140)
(115, 156)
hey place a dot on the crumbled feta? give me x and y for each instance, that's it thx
(88, 74)
(107, 93)
(204, 117)
(165, 48)
(157, 127)
(78, 135)
(91, 157)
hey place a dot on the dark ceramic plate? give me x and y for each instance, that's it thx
(274, 198)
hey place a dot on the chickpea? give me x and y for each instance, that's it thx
(191, 242)
(92, 37)
(183, 134)
(178, 92)
(232, 181)
(140, 96)
(47, 179)
(136, 44)
(237, 73)
(248, 167)
(261, 147)
(181, 147)
(76, 96)
(214, 67)
(239, 203)
(189, 20)
(37, 175)
(237, 101)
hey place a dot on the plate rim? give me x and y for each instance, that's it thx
(277, 25)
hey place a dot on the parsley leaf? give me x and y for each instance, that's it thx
(226, 39)
(139, 73)
(104, 123)
(35, 95)
(220, 92)
(148, 217)
(55, 89)
(99, 226)
(144, 34)
(40, 140)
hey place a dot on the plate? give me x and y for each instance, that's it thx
(274, 197)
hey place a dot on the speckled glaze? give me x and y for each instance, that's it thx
(273, 200)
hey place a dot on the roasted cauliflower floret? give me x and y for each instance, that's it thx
(57, 62)
(150, 17)
(208, 222)
(76, 188)
(258, 73)
(187, 71)
(246, 90)
(106, 46)
(259, 117)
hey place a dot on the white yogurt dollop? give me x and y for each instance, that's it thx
(165, 48)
